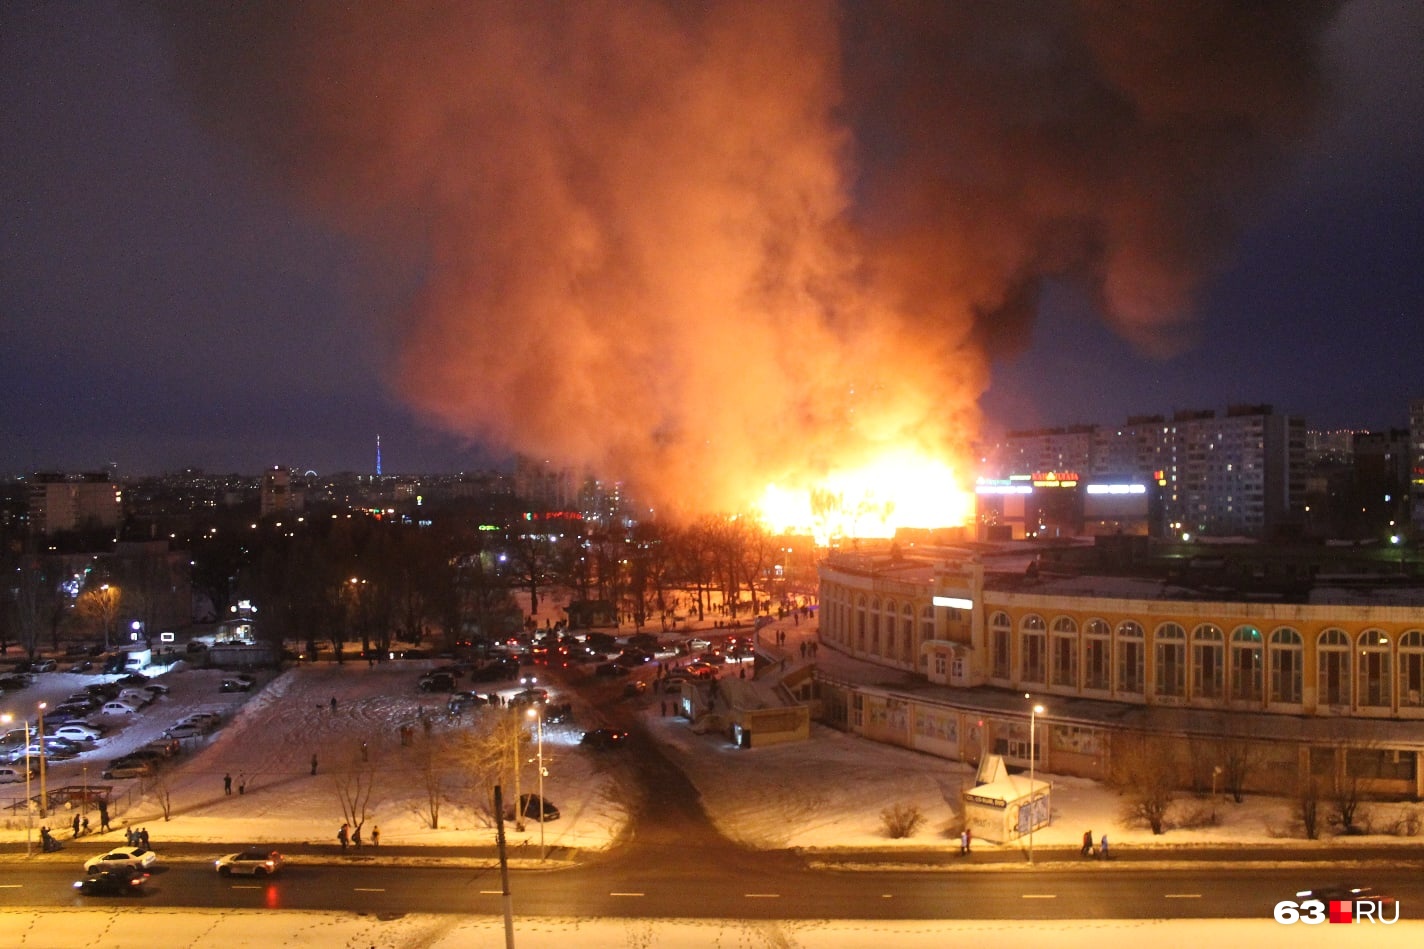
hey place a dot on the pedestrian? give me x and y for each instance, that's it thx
(143, 837)
(227, 784)
(664, 708)
(1087, 848)
(963, 842)
(84, 828)
(103, 817)
(376, 836)
(129, 836)
(76, 825)
(333, 703)
(1103, 847)
(343, 836)
(356, 837)
(242, 784)
(313, 763)
(365, 756)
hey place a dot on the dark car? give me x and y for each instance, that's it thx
(610, 669)
(437, 682)
(604, 738)
(133, 678)
(529, 805)
(113, 881)
(236, 684)
(463, 700)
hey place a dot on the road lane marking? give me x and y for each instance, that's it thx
(369, 889)
(10, 886)
(887, 896)
(1040, 896)
(1183, 896)
(627, 894)
(491, 892)
(246, 886)
(762, 896)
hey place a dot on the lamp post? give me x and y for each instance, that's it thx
(1036, 711)
(7, 718)
(539, 722)
(44, 791)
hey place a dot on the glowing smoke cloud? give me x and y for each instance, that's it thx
(716, 245)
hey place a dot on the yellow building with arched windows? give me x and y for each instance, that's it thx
(1332, 686)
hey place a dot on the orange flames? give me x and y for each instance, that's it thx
(904, 489)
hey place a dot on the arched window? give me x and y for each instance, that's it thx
(1332, 657)
(859, 643)
(1000, 633)
(1097, 655)
(875, 626)
(1207, 662)
(1374, 671)
(1247, 665)
(1131, 658)
(1033, 642)
(1286, 678)
(907, 633)
(892, 617)
(1171, 654)
(1411, 669)
(927, 629)
(1065, 652)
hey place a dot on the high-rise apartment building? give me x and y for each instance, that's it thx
(1416, 463)
(67, 503)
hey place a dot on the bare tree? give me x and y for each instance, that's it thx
(355, 785)
(100, 606)
(1146, 776)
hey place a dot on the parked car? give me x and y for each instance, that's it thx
(236, 684)
(45, 665)
(610, 670)
(155, 689)
(185, 730)
(530, 805)
(463, 700)
(140, 858)
(256, 862)
(104, 690)
(604, 738)
(113, 881)
(12, 773)
(127, 767)
(132, 678)
(206, 720)
(138, 698)
(118, 708)
(74, 731)
(437, 682)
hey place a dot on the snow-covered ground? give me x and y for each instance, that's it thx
(822, 794)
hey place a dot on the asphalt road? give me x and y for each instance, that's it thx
(718, 892)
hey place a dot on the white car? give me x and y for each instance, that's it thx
(75, 731)
(11, 775)
(136, 697)
(256, 862)
(118, 708)
(137, 857)
(186, 730)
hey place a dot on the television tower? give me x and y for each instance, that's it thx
(378, 456)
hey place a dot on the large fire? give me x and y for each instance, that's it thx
(871, 501)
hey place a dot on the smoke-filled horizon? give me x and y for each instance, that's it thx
(713, 246)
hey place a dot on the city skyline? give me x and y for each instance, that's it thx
(168, 305)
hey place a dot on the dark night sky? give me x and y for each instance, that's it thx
(161, 307)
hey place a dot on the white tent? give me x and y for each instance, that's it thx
(1004, 807)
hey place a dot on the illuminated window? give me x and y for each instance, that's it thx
(1286, 677)
(1374, 671)
(1170, 641)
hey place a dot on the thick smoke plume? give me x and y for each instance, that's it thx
(713, 245)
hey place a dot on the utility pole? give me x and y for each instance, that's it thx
(507, 899)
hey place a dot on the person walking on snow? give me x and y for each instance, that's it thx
(376, 836)
(227, 784)
(313, 763)
(1103, 847)
(1087, 849)
(343, 835)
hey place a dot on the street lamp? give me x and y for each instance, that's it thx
(1036, 711)
(7, 718)
(539, 721)
(44, 793)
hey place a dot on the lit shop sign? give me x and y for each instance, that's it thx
(954, 602)
(1055, 479)
(1117, 489)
